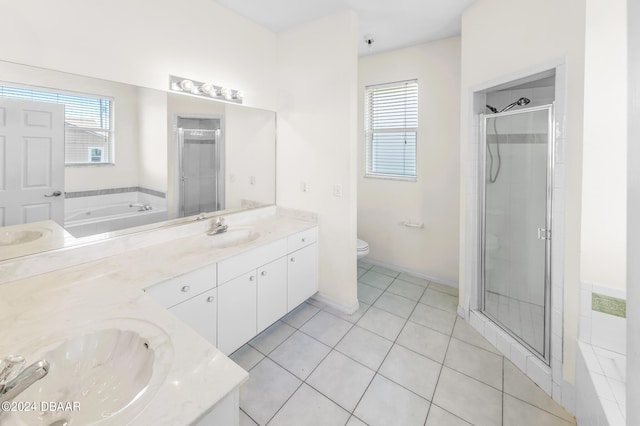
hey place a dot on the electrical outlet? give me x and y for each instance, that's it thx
(337, 190)
(304, 187)
(252, 180)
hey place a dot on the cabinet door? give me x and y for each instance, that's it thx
(272, 293)
(200, 313)
(236, 312)
(302, 270)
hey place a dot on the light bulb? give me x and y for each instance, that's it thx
(226, 93)
(209, 89)
(186, 85)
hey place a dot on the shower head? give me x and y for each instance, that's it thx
(492, 109)
(519, 102)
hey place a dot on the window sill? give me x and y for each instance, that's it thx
(390, 177)
(90, 165)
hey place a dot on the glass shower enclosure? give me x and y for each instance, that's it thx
(201, 165)
(517, 152)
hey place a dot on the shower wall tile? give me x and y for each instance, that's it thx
(608, 331)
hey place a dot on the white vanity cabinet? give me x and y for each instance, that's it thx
(192, 298)
(245, 301)
(236, 312)
(254, 289)
(201, 314)
(271, 293)
(302, 267)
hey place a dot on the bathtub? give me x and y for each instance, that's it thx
(109, 218)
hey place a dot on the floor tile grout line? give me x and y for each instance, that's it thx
(247, 414)
(304, 381)
(435, 388)
(453, 414)
(377, 371)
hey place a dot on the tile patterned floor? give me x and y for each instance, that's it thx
(404, 358)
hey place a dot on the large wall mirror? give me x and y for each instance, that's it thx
(116, 158)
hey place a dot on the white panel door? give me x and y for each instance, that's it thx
(31, 162)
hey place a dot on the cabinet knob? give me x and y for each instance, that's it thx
(252, 278)
(293, 259)
(210, 299)
(304, 240)
(263, 273)
(185, 288)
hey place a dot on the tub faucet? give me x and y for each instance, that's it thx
(218, 226)
(141, 207)
(14, 380)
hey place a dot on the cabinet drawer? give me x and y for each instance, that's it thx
(302, 239)
(250, 260)
(171, 292)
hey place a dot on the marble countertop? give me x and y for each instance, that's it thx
(38, 311)
(53, 237)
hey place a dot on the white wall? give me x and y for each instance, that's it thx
(604, 173)
(434, 199)
(152, 139)
(317, 141)
(250, 151)
(503, 39)
(141, 42)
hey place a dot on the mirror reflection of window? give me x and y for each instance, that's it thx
(88, 121)
(96, 155)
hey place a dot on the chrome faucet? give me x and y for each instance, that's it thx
(141, 207)
(218, 226)
(14, 380)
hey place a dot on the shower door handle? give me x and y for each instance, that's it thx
(544, 234)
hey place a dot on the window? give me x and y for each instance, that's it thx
(87, 122)
(391, 120)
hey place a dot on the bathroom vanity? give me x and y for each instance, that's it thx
(231, 301)
(189, 297)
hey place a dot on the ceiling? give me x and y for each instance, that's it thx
(391, 24)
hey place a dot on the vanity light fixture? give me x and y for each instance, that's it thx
(205, 90)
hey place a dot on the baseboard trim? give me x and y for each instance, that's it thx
(348, 309)
(428, 277)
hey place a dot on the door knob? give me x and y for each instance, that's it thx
(54, 194)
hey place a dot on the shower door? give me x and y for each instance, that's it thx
(516, 230)
(200, 171)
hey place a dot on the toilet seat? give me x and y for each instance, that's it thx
(363, 249)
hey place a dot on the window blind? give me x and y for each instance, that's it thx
(87, 122)
(391, 117)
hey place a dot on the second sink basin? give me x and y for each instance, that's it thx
(234, 237)
(11, 238)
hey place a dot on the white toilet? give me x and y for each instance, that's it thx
(363, 249)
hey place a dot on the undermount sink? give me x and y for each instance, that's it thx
(234, 237)
(103, 377)
(11, 238)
